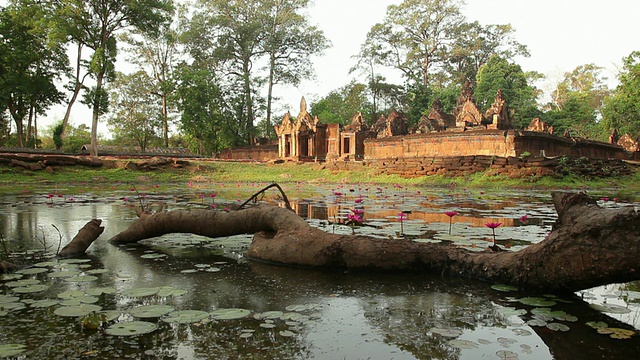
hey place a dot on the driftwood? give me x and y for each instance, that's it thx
(589, 245)
(85, 237)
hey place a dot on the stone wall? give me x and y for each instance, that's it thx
(255, 153)
(488, 143)
(515, 167)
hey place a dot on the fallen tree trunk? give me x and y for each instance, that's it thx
(85, 237)
(589, 245)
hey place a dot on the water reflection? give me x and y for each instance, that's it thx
(360, 315)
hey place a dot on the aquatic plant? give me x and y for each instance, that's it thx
(450, 214)
(493, 226)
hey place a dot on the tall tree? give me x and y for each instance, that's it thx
(29, 64)
(289, 45)
(158, 55)
(473, 46)
(136, 118)
(500, 74)
(576, 102)
(621, 111)
(95, 24)
(414, 36)
(228, 37)
(339, 106)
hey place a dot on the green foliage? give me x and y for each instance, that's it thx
(340, 106)
(207, 119)
(499, 74)
(57, 135)
(621, 111)
(30, 64)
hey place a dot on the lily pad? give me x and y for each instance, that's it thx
(64, 273)
(617, 333)
(96, 271)
(597, 324)
(45, 303)
(22, 283)
(131, 328)
(246, 335)
(506, 355)
(78, 310)
(167, 291)
(8, 299)
(557, 327)
(70, 294)
(141, 292)
(153, 256)
(151, 311)
(287, 333)
(30, 289)
(267, 326)
(230, 314)
(100, 290)
(610, 308)
(537, 301)
(504, 288)
(32, 271)
(82, 278)
(7, 350)
(186, 316)
(463, 344)
(447, 332)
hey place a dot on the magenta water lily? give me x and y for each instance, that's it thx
(450, 214)
(493, 226)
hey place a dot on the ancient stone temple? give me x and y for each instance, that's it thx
(352, 138)
(302, 139)
(498, 116)
(436, 120)
(467, 113)
(538, 125)
(393, 125)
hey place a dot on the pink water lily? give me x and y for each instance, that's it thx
(493, 226)
(450, 214)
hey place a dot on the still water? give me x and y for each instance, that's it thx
(174, 287)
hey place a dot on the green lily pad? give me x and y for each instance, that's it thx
(287, 333)
(557, 327)
(506, 355)
(96, 271)
(30, 289)
(536, 322)
(610, 308)
(74, 261)
(229, 314)
(504, 288)
(70, 294)
(186, 316)
(7, 350)
(509, 311)
(45, 303)
(82, 278)
(269, 315)
(141, 292)
(617, 333)
(536, 301)
(267, 326)
(8, 299)
(153, 256)
(78, 310)
(46, 264)
(151, 311)
(7, 277)
(13, 306)
(64, 273)
(447, 332)
(101, 290)
(463, 344)
(167, 291)
(597, 324)
(131, 328)
(245, 335)
(22, 283)
(32, 271)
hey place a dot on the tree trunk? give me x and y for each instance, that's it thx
(85, 237)
(589, 245)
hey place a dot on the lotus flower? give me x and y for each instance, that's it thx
(450, 214)
(493, 226)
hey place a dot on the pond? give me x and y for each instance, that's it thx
(183, 296)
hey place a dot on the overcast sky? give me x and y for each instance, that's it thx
(560, 35)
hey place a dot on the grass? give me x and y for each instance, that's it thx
(15, 179)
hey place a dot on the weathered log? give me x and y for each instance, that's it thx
(85, 237)
(589, 245)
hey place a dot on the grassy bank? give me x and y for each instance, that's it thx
(13, 179)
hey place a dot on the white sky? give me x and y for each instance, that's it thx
(560, 35)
